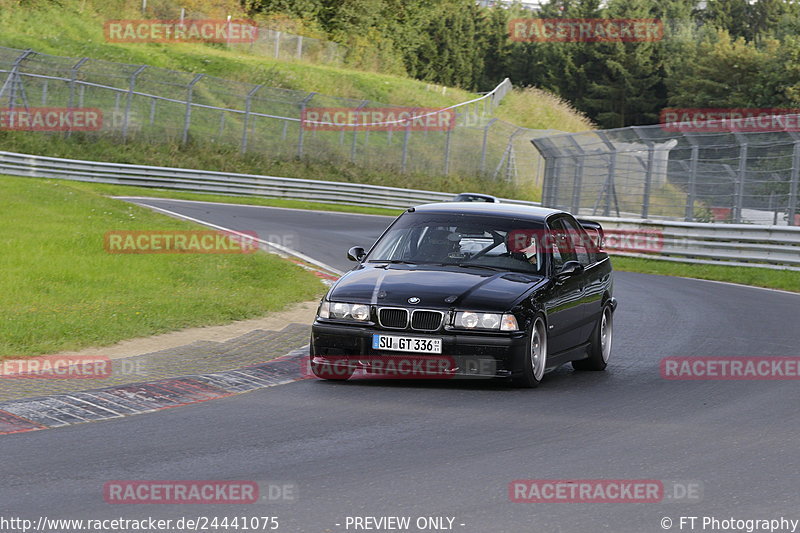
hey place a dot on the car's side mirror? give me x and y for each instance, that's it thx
(356, 253)
(569, 269)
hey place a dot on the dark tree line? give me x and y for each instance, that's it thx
(731, 53)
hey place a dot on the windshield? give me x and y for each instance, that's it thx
(488, 242)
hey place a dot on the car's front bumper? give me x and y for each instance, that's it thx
(464, 354)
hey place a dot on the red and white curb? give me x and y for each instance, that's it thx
(17, 416)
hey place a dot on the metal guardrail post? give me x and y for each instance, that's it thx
(247, 105)
(187, 119)
(300, 136)
(131, 86)
(484, 144)
(794, 185)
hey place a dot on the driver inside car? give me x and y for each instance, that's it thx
(440, 246)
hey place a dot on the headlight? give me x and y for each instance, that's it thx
(344, 311)
(496, 321)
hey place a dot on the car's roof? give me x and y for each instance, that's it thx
(479, 208)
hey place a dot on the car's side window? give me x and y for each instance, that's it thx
(560, 245)
(579, 241)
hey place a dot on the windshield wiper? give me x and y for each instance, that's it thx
(397, 261)
(473, 265)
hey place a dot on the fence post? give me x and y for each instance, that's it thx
(406, 136)
(221, 125)
(610, 189)
(73, 79)
(484, 144)
(648, 180)
(690, 193)
(299, 54)
(793, 185)
(247, 105)
(277, 44)
(131, 86)
(741, 173)
(300, 136)
(44, 93)
(447, 141)
(187, 119)
(152, 110)
(355, 132)
(13, 78)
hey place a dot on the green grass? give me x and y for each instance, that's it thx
(786, 280)
(537, 109)
(62, 291)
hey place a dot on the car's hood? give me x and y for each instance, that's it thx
(436, 287)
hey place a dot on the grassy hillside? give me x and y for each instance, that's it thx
(75, 28)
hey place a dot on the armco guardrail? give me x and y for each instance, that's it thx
(730, 244)
(217, 182)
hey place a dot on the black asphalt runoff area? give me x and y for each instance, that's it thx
(450, 449)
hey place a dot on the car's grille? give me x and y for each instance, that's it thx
(426, 320)
(390, 317)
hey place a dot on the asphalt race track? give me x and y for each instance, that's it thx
(450, 449)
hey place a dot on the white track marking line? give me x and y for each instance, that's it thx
(259, 206)
(279, 247)
(738, 285)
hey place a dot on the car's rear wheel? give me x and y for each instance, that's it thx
(535, 361)
(600, 346)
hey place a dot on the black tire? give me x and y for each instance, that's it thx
(535, 361)
(600, 343)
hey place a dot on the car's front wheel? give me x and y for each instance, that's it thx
(535, 360)
(600, 346)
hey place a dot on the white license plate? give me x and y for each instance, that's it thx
(406, 344)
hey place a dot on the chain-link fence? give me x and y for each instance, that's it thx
(652, 172)
(159, 105)
(288, 46)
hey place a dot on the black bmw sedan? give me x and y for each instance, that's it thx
(470, 290)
